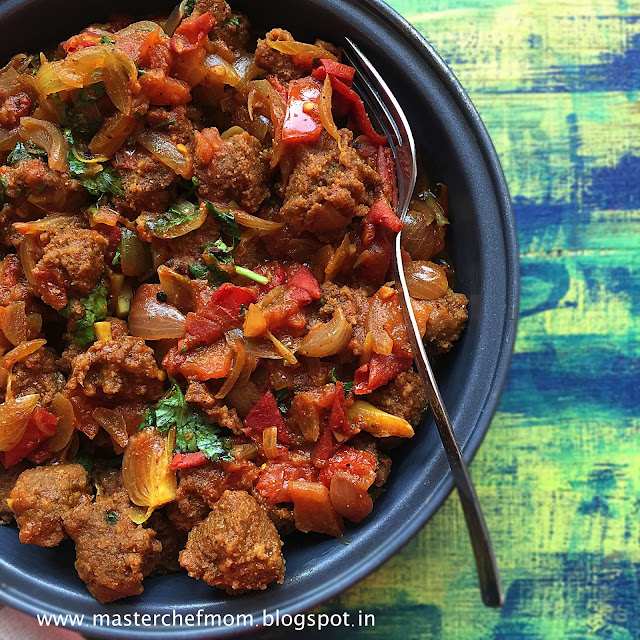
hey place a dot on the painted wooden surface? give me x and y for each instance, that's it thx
(557, 83)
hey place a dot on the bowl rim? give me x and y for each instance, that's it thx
(328, 590)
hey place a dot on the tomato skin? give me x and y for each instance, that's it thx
(303, 286)
(302, 120)
(273, 483)
(265, 413)
(383, 215)
(360, 464)
(190, 35)
(335, 70)
(188, 460)
(41, 425)
(379, 371)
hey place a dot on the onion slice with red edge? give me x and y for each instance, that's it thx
(154, 320)
(14, 415)
(327, 339)
(167, 152)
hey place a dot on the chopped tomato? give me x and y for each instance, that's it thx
(208, 362)
(273, 483)
(200, 330)
(265, 413)
(360, 464)
(207, 143)
(302, 120)
(383, 215)
(379, 371)
(51, 286)
(188, 460)
(154, 52)
(88, 38)
(41, 425)
(163, 90)
(303, 286)
(312, 509)
(83, 410)
(222, 305)
(386, 168)
(338, 417)
(276, 274)
(192, 32)
(335, 70)
(39, 455)
(375, 260)
(325, 446)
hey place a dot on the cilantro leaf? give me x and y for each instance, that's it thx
(193, 432)
(111, 517)
(347, 386)
(226, 220)
(211, 272)
(220, 250)
(189, 6)
(108, 181)
(89, 95)
(179, 213)
(282, 396)
(3, 188)
(95, 309)
(26, 151)
(85, 461)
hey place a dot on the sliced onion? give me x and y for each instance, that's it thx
(377, 422)
(179, 288)
(338, 259)
(14, 415)
(146, 468)
(293, 48)
(262, 90)
(47, 136)
(8, 139)
(180, 161)
(270, 442)
(245, 451)
(232, 131)
(327, 339)
(348, 498)
(112, 134)
(50, 223)
(381, 341)
(426, 280)
(243, 397)
(113, 423)
(28, 253)
(221, 72)
(255, 324)
(62, 408)
(324, 110)
(253, 222)
(14, 323)
(258, 348)
(23, 350)
(236, 342)
(154, 320)
(282, 350)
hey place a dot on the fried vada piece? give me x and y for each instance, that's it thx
(237, 548)
(113, 555)
(8, 478)
(43, 496)
(120, 369)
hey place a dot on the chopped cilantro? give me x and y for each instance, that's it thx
(116, 258)
(189, 6)
(210, 272)
(111, 517)
(89, 95)
(106, 40)
(193, 432)
(219, 250)
(95, 309)
(85, 461)
(108, 181)
(26, 151)
(347, 386)
(227, 21)
(167, 123)
(226, 220)
(178, 214)
(252, 275)
(282, 398)
(3, 188)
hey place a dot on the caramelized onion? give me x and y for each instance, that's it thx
(220, 71)
(23, 350)
(270, 442)
(113, 423)
(178, 288)
(338, 259)
(28, 257)
(255, 324)
(47, 136)
(62, 408)
(377, 422)
(253, 222)
(8, 139)
(426, 280)
(259, 348)
(153, 223)
(327, 339)
(180, 160)
(423, 232)
(14, 323)
(282, 350)
(381, 341)
(14, 415)
(135, 256)
(146, 468)
(348, 498)
(154, 320)
(236, 342)
(243, 397)
(112, 134)
(312, 508)
(263, 91)
(50, 223)
(293, 48)
(324, 110)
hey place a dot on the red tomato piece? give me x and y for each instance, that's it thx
(273, 483)
(265, 413)
(302, 121)
(338, 417)
(192, 32)
(383, 215)
(163, 90)
(379, 371)
(41, 425)
(303, 286)
(188, 460)
(360, 464)
(325, 446)
(335, 70)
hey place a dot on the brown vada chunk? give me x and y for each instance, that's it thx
(237, 548)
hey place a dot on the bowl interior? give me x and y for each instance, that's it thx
(456, 151)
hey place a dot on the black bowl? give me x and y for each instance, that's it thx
(457, 150)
